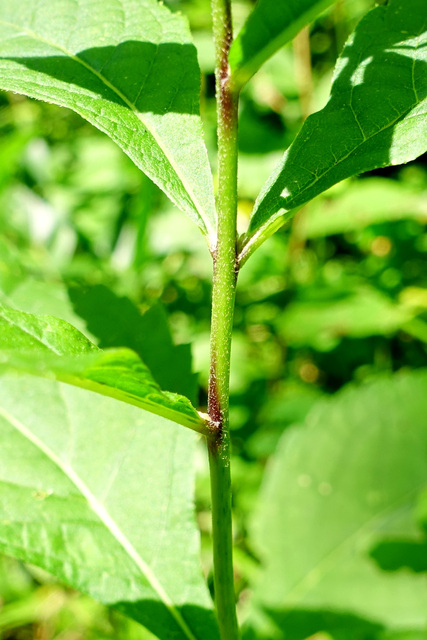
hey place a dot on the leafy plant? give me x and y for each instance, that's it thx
(99, 493)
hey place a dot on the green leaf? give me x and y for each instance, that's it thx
(50, 347)
(340, 486)
(40, 297)
(11, 268)
(271, 24)
(131, 70)
(376, 116)
(117, 322)
(101, 495)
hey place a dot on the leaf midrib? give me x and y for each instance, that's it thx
(207, 224)
(100, 511)
(274, 217)
(365, 139)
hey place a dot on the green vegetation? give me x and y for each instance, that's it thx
(292, 433)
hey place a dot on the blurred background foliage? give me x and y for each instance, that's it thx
(338, 296)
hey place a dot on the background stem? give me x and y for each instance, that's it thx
(223, 294)
(303, 70)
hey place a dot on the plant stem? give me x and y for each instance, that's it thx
(223, 295)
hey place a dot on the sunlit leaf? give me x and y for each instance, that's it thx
(129, 68)
(100, 494)
(117, 322)
(50, 347)
(376, 116)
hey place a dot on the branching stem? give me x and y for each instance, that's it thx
(223, 294)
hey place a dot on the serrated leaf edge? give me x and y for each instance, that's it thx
(195, 421)
(105, 518)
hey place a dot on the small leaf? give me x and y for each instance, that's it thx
(340, 485)
(271, 24)
(131, 70)
(376, 116)
(50, 347)
(101, 495)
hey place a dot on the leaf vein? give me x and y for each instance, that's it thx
(105, 518)
(133, 108)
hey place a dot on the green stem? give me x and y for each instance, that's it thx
(223, 295)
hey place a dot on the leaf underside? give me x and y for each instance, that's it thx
(342, 487)
(271, 24)
(127, 67)
(376, 116)
(101, 495)
(50, 347)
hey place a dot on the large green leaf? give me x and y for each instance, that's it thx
(39, 297)
(270, 25)
(131, 70)
(341, 487)
(376, 116)
(50, 347)
(100, 494)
